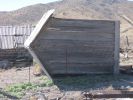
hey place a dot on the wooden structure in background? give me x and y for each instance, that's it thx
(12, 37)
(74, 46)
(12, 40)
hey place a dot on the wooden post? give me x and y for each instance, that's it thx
(117, 47)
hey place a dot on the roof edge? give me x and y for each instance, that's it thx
(33, 36)
(38, 28)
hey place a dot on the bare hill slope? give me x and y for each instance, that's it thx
(88, 9)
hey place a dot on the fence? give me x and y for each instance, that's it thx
(14, 36)
(12, 40)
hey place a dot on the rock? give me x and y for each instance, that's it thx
(35, 96)
(72, 95)
(53, 96)
(37, 71)
(5, 64)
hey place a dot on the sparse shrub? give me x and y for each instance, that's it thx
(19, 90)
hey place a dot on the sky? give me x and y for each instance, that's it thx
(9, 5)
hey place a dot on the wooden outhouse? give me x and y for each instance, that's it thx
(75, 46)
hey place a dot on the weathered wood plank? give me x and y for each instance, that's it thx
(81, 67)
(117, 47)
(74, 52)
(76, 29)
(80, 54)
(74, 55)
(76, 42)
(92, 58)
(74, 45)
(81, 24)
(79, 61)
(76, 36)
(86, 33)
(54, 50)
(74, 68)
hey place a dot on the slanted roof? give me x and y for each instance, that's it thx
(41, 24)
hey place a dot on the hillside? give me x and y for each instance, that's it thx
(87, 9)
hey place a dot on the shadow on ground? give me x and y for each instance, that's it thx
(93, 82)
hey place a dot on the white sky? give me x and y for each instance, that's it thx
(9, 5)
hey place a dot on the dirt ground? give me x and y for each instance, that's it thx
(21, 75)
(16, 75)
(68, 88)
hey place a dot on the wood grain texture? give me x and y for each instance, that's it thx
(77, 36)
(69, 46)
(76, 68)
(101, 25)
(73, 45)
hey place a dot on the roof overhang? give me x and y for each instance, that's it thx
(41, 24)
